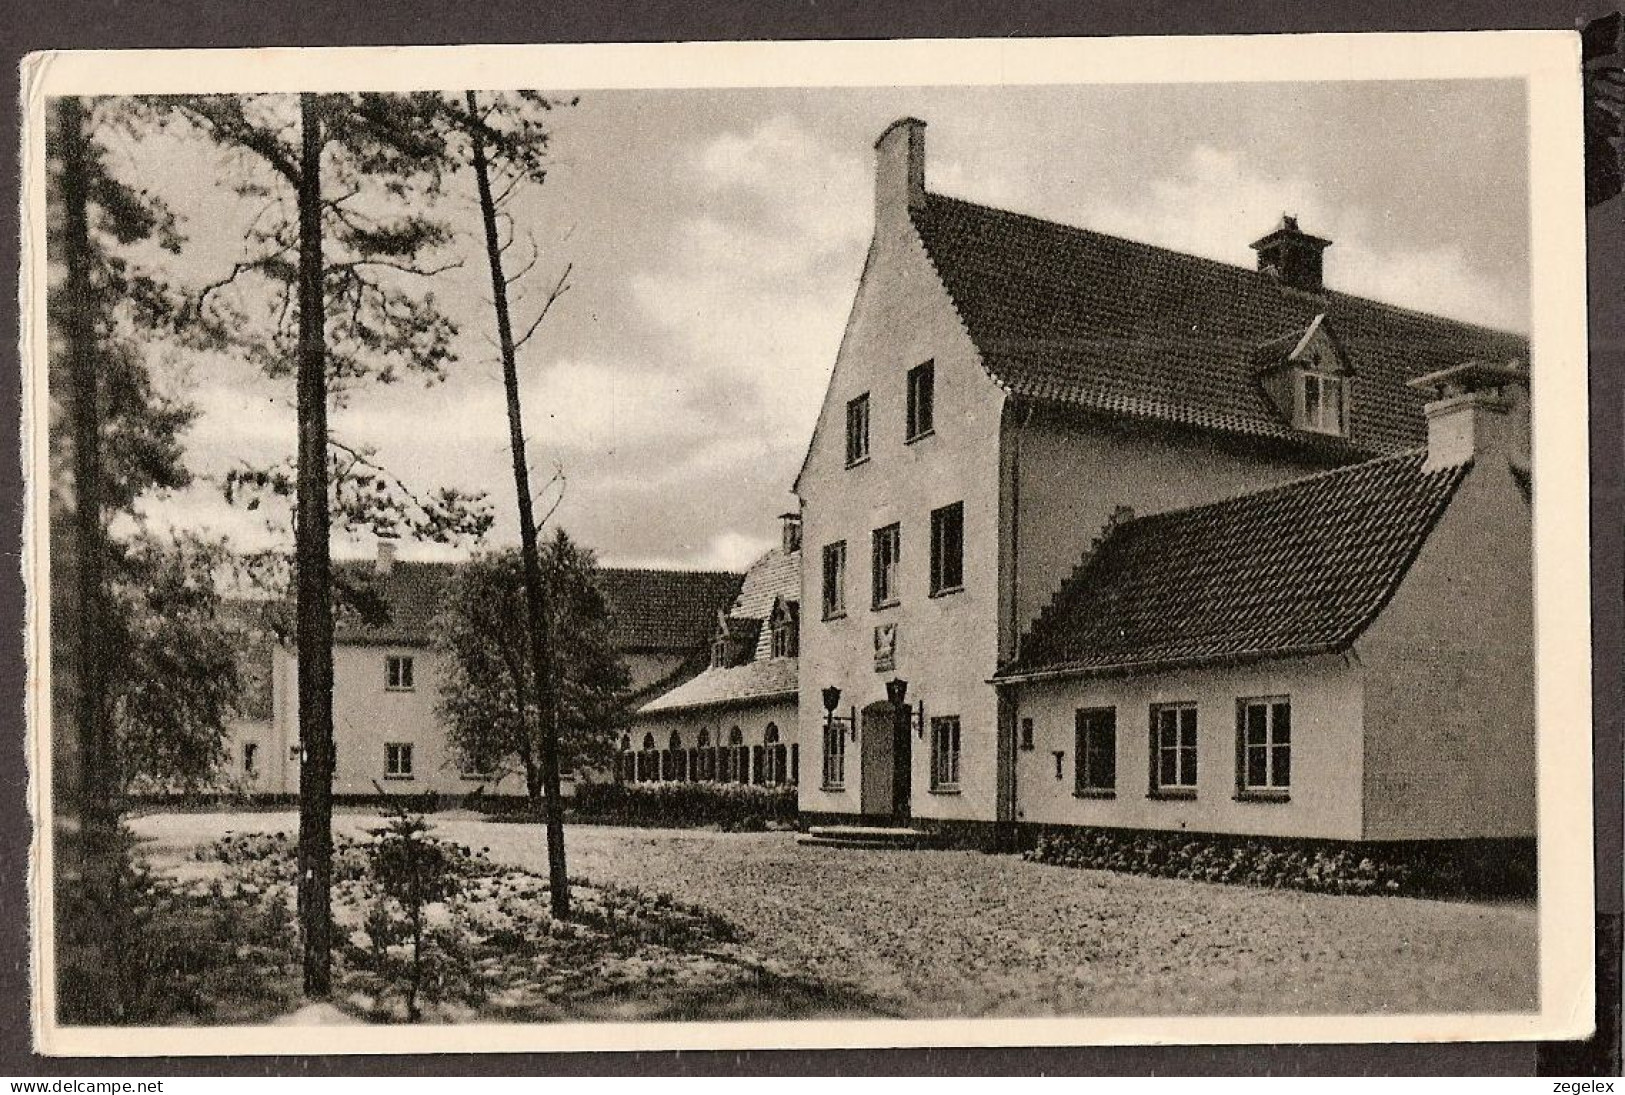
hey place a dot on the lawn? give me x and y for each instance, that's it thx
(945, 933)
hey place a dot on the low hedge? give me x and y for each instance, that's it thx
(735, 806)
(1466, 868)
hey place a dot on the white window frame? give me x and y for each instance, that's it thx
(890, 568)
(1313, 412)
(398, 760)
(834, 755)
(834, 577)
(1275, 745)
(399, 673)
(1186, 754)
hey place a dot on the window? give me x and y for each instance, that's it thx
(648, 760)
(834, 755)
(1027, 735)
(857, 429)
(398, 673)
(786, 629)
(948, 548)
(707, 767)
(945, 753)
(1096, 754)
(835, 579)
(398, 760)
(887, 549)
(1324, 402)
(738, 756)
(776, 766)
(251, 758)
(921, 381)
(1173, 749)
(1264, 745)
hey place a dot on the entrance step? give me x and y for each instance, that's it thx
(865, 836)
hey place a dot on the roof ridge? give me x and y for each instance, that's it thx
(672, 570)
(1226, 266)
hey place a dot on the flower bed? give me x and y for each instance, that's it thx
(218, 942)
(1435, 869)
(735, 806)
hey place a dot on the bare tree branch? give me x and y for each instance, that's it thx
(558, 291)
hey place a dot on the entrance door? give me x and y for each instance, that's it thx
(885, 750)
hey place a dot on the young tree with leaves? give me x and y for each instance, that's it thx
(488, 698)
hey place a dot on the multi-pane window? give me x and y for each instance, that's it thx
(948, 548)
(1324, 402)
(786, 630)
(398, 673)
(398, 760)
(834, 754)
(834, 579)
(1096, 755)
(857, 429)
(921, 396)
(945, 753)
(887, 551)
(1173, 747)
(1265, 732)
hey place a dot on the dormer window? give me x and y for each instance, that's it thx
(786, 629)
(1323, 402)
(1307, 376)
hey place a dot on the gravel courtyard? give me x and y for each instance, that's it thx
(940, 934)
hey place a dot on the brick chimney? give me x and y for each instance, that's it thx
(386, 556)
(899, 171)
(1292, 256)
(1478, 410)
(790, 532)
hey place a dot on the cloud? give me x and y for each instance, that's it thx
(1216, 203)
(754, 289)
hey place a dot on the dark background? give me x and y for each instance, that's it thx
(109, 24)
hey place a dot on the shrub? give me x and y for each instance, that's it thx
(733, 806)
(1438, 869)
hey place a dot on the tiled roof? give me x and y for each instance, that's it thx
(1067, 315)
(763, 679)
(399, 607)
(668, 610)
(653, 610)
(1297, 569)
(776, 574)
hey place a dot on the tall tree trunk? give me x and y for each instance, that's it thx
(535, 591)
(97, 792)
(314, 619)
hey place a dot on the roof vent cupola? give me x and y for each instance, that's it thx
(1292, 256)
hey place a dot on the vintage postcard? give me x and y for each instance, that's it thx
(808, 545)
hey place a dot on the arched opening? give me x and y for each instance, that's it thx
(706, 756)
(648, 760)
(624, 760)
(738, 757)
(775, 760)
(675, 763)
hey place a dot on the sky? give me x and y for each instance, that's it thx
(715, 240)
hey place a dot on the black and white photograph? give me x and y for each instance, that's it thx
(808, 544)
